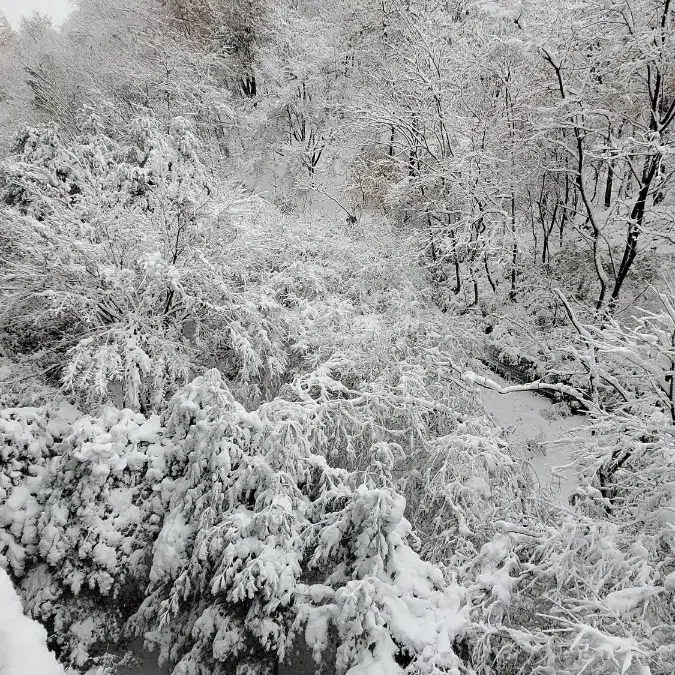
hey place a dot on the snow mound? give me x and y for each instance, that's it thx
(23, 642)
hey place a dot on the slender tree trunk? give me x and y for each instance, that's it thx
(635, 226)
(474, 281)
(608, 184)
(514, 250)
(487, 272)
(535, 253)
(455, 258)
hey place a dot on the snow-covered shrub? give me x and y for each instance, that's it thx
(79, 518)
(627, 486)
(101, 508)
(590, 587)
(465, 483)
(372, 360)
(637, 357)
(21, 385)
(247, 537)
(29, 439)
(560, 592)
(354, 366)
(262, 537)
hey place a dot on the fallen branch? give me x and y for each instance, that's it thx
(470, 377)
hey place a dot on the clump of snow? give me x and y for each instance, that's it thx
(169, 549)
(60, 424)
(148, 432)
(628, 598)
(23, 642)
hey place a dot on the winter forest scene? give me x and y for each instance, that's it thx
(337, 337)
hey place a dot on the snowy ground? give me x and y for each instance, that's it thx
(537, 433)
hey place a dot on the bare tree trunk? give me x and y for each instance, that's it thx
(635, 226)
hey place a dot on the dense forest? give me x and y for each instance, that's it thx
(261, 262)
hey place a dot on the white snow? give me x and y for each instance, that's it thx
(381, 662)
(537, 433)
(23, 642)
(149, 432)
(60, 425)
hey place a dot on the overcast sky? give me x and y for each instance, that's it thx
(13, 9)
